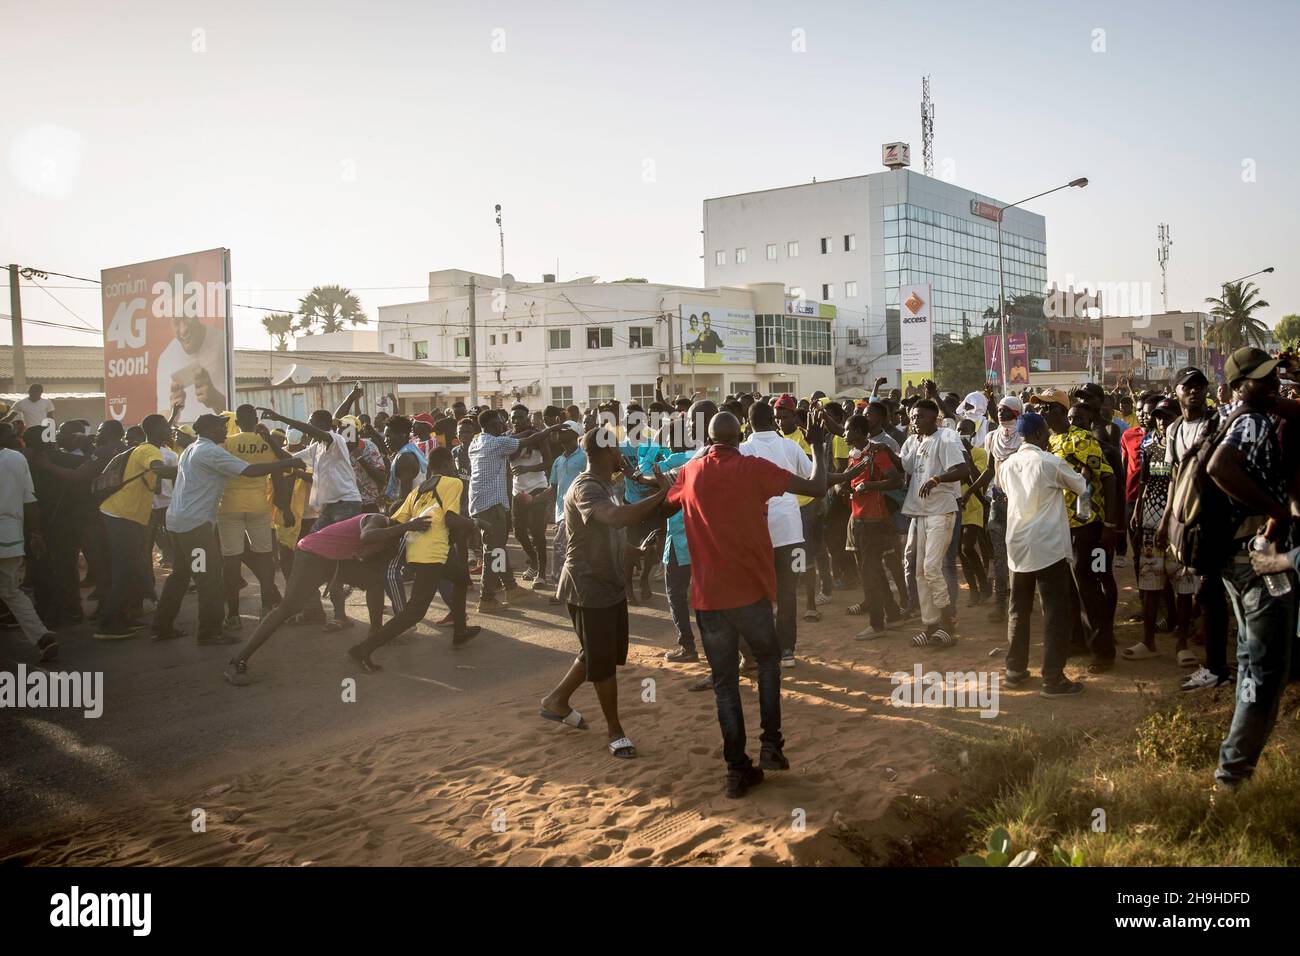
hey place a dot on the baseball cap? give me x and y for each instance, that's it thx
(1248, 362)
(576, 428)
(1051, 396)
(423, 417)
(1029, 423)
(786, 400)
(1190, 374)
(1167, 406)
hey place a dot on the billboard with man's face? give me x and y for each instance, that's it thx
(716, 335)
(167, 338)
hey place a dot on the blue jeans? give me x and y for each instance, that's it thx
(1266, 628)
(337, 511)
(677, 579)
(720, 633)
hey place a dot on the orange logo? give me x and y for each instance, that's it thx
(914, 303)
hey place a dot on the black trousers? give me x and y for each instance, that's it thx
(427, 579)
(1054, 588)
(870, 541)
(530, 529)
(787, 596)
(1213, 602)
(1098, 595)
(194, 552)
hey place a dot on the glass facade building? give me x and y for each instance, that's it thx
(959, 257)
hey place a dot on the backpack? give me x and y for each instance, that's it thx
(112, 479)
(1201, 526)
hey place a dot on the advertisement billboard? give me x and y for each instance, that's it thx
(716, 335)
(1017, 355)
(167, 337)
(916, 336)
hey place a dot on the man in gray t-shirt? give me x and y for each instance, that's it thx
(593, 584)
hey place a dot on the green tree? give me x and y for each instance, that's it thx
(1288, 331)
(959, 366)
(1234, 313)
(329, 308)
(279, 325)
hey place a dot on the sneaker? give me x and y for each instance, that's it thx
(119, 633)
(773, 758)
(1066, 688)
(682, 655)
(528, 575)
(492, 604)
(1015, 678)
(869, 633)
(824, 598)
(48, 648)
(1203, 678)
(541, 584)
(237, 673)
(787, 659)
(740, 781)
(461, 638)
(232, 622)
(704, 683)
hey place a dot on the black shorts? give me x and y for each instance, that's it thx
(602, 632)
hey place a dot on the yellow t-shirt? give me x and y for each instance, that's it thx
(839, 448)
(797, 436)
(430, 547)
(298, 502)
(248, 494)
(974, 510)
(134, 500)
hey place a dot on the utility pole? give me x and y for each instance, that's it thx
(16, 319)
(473, 345)
(672, 385)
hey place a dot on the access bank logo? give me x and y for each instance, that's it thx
(915, 304)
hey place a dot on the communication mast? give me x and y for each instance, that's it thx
(927, 126)
(1162, 256)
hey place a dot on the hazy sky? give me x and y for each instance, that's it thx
(365, 144)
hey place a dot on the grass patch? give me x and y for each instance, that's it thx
(1124, 795)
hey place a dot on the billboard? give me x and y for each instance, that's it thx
(916, 336)
(167, 337)
(716, 335)
(1017, 355)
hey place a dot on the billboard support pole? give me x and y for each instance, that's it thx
(16, 322)
(473, 345)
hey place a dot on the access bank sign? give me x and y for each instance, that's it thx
(916, 338)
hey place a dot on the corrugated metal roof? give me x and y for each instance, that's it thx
(79, 363)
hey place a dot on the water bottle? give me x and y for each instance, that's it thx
(1083, 505)
(1277, 584)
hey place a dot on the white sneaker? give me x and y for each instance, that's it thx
(868, 633)
(528, 575)
(1203, 677)
(823, 599)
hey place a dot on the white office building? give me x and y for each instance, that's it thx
(853, 242)
(585, 341)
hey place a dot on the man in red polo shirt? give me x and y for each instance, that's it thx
(723, 498)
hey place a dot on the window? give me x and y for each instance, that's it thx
(557, 339)
(826, 244)
(492, 340)
(643, 394)
(814, 342)
(1166, 333)
(421, 350)
(828, 291)
(1189, 333)
(744, 388)
(853, 338)
(641, 337)
(781, 388)
(600, 338)
(767, 338)
(390, 348)
(562, 395)
(851, 242)
(771, 252)
(600, 393)
(741, 255)
(850, 290)
(720, 257)
(792, 249)
(462, 346)
(519, 335)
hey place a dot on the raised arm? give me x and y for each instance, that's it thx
(356, 393)
(307, 428)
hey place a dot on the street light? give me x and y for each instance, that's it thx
(1002, 295)
(1223, 294)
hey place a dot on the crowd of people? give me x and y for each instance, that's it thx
(748, 508)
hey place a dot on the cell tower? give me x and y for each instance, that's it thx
(1162, 256)
(927, 126)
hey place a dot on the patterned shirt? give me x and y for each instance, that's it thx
(1257, 436)
(1077, 448)
(488, 455)
(368, 487)
(1157, 472)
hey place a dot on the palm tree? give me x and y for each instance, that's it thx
(1236, 324)
(279, 325)
(330, 306)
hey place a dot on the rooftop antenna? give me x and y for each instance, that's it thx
(1162, 256)
(927, 126)
(501, 232)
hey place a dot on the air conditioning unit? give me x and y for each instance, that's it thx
(663, 357)
(534, 389)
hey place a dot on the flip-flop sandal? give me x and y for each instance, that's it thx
(622, 748)
(1187, 659)
(1138, 652)
(942, 638)
(571, 719)
(855, 610)
(920, 639)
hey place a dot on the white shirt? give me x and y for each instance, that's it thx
(784, 524)
(34, 413)
(1038, 528)
(333, 478)
(926, 458)
(164, 495)
(174, 360)
(16, 490)
(202, 470)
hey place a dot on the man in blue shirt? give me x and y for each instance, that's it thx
(640, 450)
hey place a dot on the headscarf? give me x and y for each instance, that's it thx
(1006, 439)
(972, 409)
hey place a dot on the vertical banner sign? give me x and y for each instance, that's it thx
(993, 359)
(1018, 356)
(916, 336)
(168, 338)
